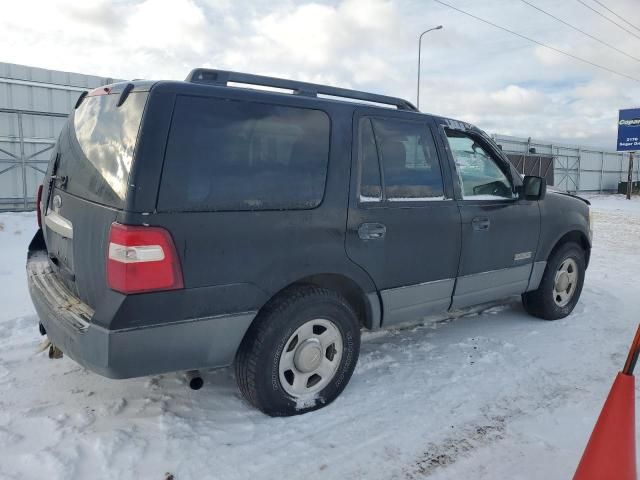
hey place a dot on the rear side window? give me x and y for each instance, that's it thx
(407, 153)
(237, 155)
(106, 134)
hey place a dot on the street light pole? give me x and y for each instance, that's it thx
(419, 52)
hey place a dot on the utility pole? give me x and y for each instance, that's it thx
(630, 177)
(439, 27)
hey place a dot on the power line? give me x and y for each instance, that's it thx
(621, 18)
(582, 31)
(607, 69)
(608, 19)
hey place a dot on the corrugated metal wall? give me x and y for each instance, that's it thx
(34, 104)
(576, 168)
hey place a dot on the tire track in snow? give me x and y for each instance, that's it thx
(486, 430)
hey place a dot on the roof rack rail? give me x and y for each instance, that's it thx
(223, 77)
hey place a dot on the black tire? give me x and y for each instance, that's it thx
(257, 360)
(540, 303)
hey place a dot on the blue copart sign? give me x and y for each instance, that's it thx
(629, 129)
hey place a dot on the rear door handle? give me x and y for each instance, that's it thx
(481, 223)
(372, 231)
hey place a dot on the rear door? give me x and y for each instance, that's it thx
(86, 186)
(499, 231)
(403, 223)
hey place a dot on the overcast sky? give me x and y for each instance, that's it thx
(471, 71)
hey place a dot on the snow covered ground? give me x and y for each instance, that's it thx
(493, 395)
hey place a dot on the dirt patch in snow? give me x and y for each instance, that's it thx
(448, 451)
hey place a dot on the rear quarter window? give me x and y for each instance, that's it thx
(239, 155)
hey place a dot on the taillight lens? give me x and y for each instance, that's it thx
(39, 206)
(142, 259)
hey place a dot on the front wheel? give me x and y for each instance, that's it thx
(299, 353)
(561, 284)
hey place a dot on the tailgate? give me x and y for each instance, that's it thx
(86, 186)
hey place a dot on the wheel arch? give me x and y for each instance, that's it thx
(366, 305)
(537, 300)
(573, 236)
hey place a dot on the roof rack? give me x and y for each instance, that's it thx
(224, 77)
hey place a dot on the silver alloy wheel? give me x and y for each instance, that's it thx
(565, 282)
(310, 358)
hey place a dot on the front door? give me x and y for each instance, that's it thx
(499, 231)
(403, 222)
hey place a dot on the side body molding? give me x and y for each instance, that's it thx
(493, 285)
(413, 302)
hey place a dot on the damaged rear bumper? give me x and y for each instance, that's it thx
(128, 352)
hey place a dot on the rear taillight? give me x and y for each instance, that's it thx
(142, 259)
(39, 206)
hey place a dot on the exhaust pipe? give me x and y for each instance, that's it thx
(55, 352)
(195, 379)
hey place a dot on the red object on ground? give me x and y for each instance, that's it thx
(611, 451)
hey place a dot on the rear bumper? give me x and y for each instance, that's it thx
(205, 342)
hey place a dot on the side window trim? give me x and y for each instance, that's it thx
(361, 121)
(426, 123)
(444, 169)
(383, 184)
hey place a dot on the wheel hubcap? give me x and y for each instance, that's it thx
(565, 283)
(310, 358)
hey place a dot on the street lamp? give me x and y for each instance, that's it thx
(439, 27)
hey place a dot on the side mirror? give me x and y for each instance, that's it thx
(533, 188)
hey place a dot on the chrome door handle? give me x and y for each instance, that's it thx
(481, 223)
(371, 231)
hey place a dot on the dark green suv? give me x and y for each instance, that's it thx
(196, 224)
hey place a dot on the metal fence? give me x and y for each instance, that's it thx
(24, 155)
(576, 168)
(34, 104)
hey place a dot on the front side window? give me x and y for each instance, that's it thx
(480, 176)
(410, 167)
(237, 155)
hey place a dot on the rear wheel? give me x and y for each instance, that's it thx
(561, 284)
(299, 353)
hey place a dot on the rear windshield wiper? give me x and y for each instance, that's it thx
(125, 93)
(54, 177)
(80, 99)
